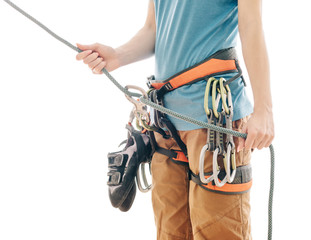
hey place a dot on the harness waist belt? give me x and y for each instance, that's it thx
(221, 62)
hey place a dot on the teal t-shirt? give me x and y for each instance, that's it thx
(188, 31)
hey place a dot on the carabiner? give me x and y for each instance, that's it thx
(201, 165)
(140, 124)
(215, 101)
(145, 125)
(230, 155)
(207, 94)
(216, 170)
(225, 90)
(131, 99)
(141, 173)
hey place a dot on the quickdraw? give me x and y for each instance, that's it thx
(216, 144)
(170, 84)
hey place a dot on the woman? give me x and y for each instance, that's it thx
(181, 34)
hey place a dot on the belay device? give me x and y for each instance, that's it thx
(121, 192)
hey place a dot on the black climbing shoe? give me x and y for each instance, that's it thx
(123, 167)
(128, 202)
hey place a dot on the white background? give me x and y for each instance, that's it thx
(58, 121)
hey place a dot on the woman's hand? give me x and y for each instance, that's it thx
(260, 131)
(98, 56)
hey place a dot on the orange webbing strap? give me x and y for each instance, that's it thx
(177, 156)
(241, 183)
(180, 157)
(229, 188)
(210, 67)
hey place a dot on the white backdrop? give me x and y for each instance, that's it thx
(58, 121)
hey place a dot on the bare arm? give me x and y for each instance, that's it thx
(260, 127)
(98, 56)
(142, 44)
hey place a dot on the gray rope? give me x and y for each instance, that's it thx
(166, 111)
(125, 91)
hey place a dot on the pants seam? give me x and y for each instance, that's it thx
(219, 219)
(172, 235)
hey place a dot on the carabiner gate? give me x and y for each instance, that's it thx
(142, 177)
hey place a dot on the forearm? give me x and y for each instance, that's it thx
(257, 63)
(260, 127)
(255, 52)
(141, 46)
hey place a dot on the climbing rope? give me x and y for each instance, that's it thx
(144, 100)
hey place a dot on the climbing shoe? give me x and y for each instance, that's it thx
(123, 166)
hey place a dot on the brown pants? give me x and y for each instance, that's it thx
(182, 209)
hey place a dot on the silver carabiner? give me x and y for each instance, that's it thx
(216, 170)
(142, 177)
(201, 166)
(230, 155)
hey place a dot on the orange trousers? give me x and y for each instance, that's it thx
(185, 211)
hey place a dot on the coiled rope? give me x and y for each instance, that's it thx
(167, 111)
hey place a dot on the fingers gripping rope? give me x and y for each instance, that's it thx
(165, 110)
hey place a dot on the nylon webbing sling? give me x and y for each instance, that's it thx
(167, 111)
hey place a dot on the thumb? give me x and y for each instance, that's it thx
(87, 47)
(241, 141)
